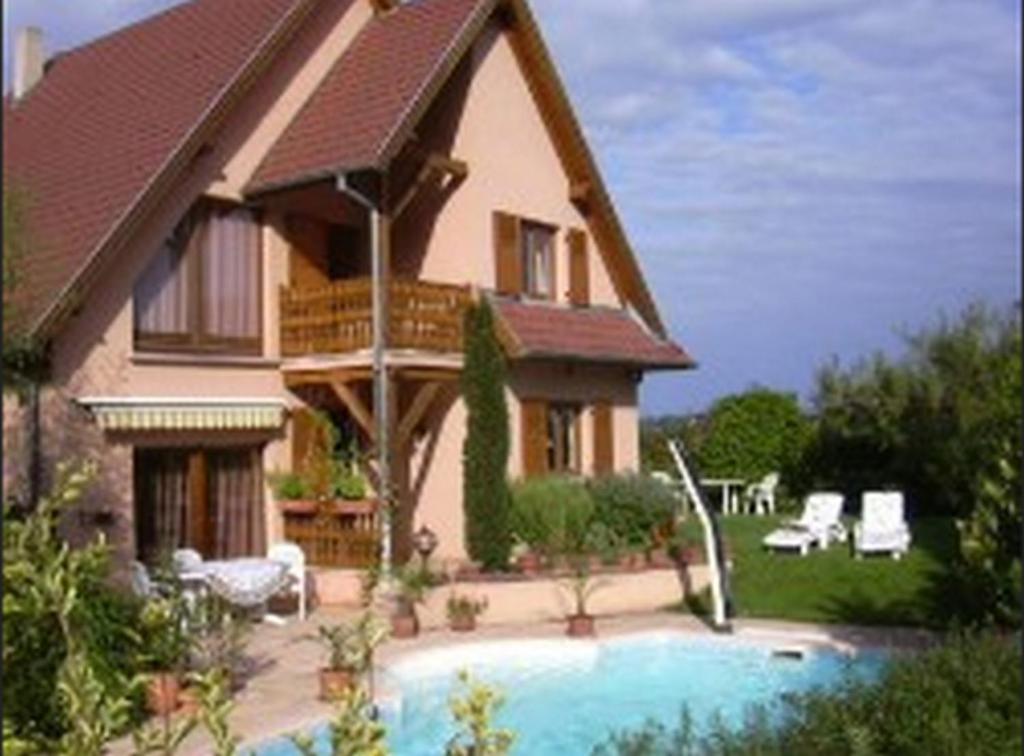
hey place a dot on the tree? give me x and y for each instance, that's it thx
(485, 493)
(751, 434)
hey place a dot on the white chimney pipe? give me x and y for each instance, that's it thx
(28, 60)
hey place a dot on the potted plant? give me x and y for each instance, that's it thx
(582, 585)
(463, 611)
(166, 647)
(411, 584)
(525, 558)
(350, 648)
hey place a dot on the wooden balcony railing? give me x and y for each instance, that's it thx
(335, 536)
(338, 317)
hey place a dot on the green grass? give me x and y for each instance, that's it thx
(831, 586)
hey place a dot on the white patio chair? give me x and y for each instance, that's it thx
(760, 496)
(882, 526)
(818, 524)
(186, 560)
(142, 583)
(292, 555)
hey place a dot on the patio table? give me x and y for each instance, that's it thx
(730, 504)
(247, 581)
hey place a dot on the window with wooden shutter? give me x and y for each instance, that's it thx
(604, 439)
(508, 269)
(535, 437)
(579, 270)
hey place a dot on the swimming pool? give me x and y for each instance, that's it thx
(565, 696)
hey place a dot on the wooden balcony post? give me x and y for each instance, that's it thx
(380, 263)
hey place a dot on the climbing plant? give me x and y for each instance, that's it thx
(485, 493)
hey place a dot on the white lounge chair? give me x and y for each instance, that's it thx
(818, 524)
(882, 526)
(292, 555)
(760, 496)
(186, 560)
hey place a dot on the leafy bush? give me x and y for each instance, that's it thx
(56, 596)
(632, 507)
(962, 697)
(552, 514)
(751, 434)
(289, 486)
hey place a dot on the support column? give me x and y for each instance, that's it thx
(380, 252)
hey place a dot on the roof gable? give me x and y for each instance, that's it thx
(102, 125)
(379, 84)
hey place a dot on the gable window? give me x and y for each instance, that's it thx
(538, 260)
(202, 290)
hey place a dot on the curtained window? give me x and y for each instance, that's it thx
(210, 500)
(563, 440)
(538, 260)
(202, 291)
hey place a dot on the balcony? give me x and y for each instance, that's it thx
(337, 318)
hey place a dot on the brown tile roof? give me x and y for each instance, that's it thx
(593, 334)
(87, 140)
(373, 88)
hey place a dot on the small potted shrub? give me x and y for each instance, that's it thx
(582, 584)
(525, 558)
(350, 649)
(411, 585)
(166, 647)
(463, 611)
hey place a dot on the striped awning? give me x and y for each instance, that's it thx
(184, 413)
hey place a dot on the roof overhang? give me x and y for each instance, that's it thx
(136, 413)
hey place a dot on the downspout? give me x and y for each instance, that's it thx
(379, 273)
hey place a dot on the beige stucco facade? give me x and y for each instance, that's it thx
(486, 117)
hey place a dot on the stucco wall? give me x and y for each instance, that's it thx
(486, 116)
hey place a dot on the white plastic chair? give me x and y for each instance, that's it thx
(761, 495)
(882, 526)
(818, 524)
(186, 560)
(142, 583)
(292, 555)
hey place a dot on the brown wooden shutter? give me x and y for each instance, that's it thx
(579, 270)
(508, 257)
(604, 439)
(303, 434)
(535, 437)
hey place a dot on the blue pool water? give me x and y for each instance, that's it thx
(564, 696)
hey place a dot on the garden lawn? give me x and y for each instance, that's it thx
(832, 586)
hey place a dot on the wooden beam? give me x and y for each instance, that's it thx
(436, 163)
(297, 378)
(429, 374)
(420, 404)
(579, 194)
(355, 406)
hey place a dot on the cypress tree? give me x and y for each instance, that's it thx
(485, 493)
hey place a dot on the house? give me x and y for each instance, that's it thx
(240, 211)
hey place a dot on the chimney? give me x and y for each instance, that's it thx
(28, 60)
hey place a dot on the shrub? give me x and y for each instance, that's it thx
(552, 514)
(632, 507)
(962, 697)
(751, 434)
(485, 495)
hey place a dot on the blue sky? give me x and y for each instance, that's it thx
(801, 179)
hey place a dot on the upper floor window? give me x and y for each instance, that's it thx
(538, 242)
(202, 291)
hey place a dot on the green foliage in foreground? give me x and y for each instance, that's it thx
(961, 698)
(832, 587)
(551, 514)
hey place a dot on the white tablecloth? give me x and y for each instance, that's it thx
(246, 581)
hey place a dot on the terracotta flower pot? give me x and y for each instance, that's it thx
(529, 563)
(188, 701)
(404, 625)
(162, 691)
(580, 626)
(334, 682)
(660, 559)
(462, 623)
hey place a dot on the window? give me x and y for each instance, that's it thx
(202, 291)
(538, 260)
(210, 500)
(563, 438)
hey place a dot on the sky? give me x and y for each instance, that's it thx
(801, 180)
